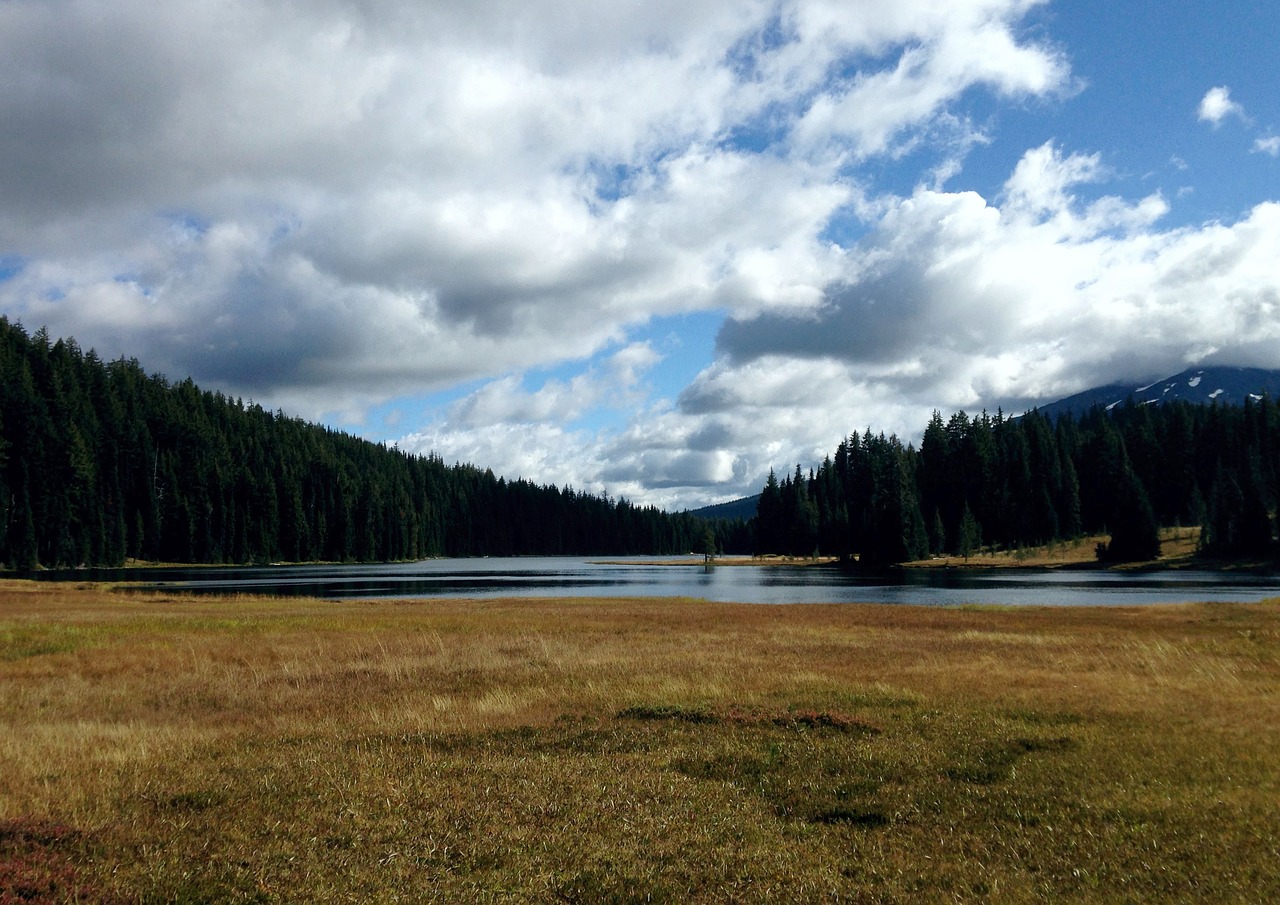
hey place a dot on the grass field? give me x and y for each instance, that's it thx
(160, 749)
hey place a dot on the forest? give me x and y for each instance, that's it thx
(101, 462)
(1014, 482)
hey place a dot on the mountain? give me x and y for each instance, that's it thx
(1225, 386)
(744, 509)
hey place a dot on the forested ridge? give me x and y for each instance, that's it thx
(101, 462)
(1029, 480)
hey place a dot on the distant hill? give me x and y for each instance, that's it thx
(744, 509)
(1225, 386)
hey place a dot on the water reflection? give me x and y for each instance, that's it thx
(571, 577)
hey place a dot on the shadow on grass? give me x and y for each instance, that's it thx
(994, 762)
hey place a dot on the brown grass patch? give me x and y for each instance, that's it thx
(248, 749)
(1177, 550)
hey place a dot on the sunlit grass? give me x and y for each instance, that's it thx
(252, 749)
(1177, 550)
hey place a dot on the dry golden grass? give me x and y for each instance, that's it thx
(165, 749)
(1177, 550)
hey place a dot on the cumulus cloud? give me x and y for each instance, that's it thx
(539, 434)
(506, 399)
(955, 302)
(1268, 145)
(1217, 105)
(533, 452)
(325, 206)
(950, 47)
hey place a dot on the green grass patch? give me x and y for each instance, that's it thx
(23, 642)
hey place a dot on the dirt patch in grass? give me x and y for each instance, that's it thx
(38, 864)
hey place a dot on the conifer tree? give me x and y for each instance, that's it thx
(970, 535)
(1135, 533)
(769, 517)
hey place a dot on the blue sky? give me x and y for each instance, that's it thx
(652, 249)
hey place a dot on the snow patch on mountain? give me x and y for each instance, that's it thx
(1201, 386)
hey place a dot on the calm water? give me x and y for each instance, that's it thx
(572, 577)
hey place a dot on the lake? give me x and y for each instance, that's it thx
(640, 577)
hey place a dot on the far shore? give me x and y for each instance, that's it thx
(1178, 551)
(728, 559)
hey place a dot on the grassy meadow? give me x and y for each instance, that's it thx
(1178, 550)
(169, 749)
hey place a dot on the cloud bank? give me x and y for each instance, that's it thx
(333, 206)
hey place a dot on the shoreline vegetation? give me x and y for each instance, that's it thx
(102, 463)
(1014, 483)
(1179, 550)
(175, 748)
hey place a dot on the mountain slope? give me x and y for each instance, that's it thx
(101, 462)
(744, 509)
(1225, 386)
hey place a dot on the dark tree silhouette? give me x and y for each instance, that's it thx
(101, 461)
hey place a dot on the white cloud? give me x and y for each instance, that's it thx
(1217, 105)
(956, 303)
(958, 300)
(949, 48)
(506, 399)
(1268, 145)
(325, 206)
(533, 452)
(1041, 181)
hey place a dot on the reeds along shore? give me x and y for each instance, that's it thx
(168, 749)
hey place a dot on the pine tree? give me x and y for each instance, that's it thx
(970, 534)
(938, 534)
(1237, 522)
(1135, 533)
(708, 546)
(769, 517)
(802, 517)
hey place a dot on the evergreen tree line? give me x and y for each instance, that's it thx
(1017, 482)
(100, 462)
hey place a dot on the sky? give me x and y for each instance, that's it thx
(651, 249)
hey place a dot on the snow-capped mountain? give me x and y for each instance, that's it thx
(1225, 386)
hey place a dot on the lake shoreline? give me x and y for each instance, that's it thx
(1016, 579)
(1178, 552)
